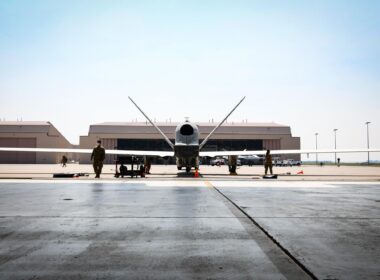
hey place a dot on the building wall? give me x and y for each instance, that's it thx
(44, 135)
(86, 142)
(17, 157)
(110, 144)
(291, 143)
(273, 137)
(54, 139)
(271, 144)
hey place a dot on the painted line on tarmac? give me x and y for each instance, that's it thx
(142, 183)
(266, 233)
(288, 184)
(194, 182)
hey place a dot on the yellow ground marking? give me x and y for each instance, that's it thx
(208, 184)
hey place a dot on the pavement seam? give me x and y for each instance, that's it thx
(114, 217)
(277, 243)
(175, 217)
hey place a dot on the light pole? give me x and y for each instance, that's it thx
(316, 148)
(335, 130)
(367, 123)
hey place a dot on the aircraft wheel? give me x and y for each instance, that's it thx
(179, 167)
(188, 169)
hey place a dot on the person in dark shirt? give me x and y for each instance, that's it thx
(97, 157)
(123, 170)
(147, 164)
(64, 161)
(268, 163)
(142, 171)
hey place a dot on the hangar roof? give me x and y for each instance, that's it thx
(204, 127)
(25, 126)
(255, 124)
(34, 127)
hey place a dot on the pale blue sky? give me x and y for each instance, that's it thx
(313, 65)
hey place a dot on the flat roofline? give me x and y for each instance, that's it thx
(212, 124)
(17, 125)
(24, 123)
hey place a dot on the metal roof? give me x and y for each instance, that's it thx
(204, 127)
(25, 123)
(243, 124)
(24, 126)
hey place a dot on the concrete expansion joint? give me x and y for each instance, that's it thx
(117, 217)
(267, 234)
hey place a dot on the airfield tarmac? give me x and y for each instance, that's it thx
(212, 227)
(310, 172)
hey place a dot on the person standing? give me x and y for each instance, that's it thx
(147, 164)
(232, 163)
(338, 160)
(97, 157)
(268, 163)
(64, 161)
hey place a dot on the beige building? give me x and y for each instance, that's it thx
(137, 136)
(230, 136)
(28, 134)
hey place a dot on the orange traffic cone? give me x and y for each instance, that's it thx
(196, 174)
(300, 173)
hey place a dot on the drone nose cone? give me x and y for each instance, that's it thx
(187, 133)
(186, 130)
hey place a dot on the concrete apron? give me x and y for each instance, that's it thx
(162, 230)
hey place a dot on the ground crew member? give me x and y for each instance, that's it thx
(123, 170)
(232, 163)
(98, 155)
(142, 171)
(268, 163)
(338, 162)
(64, 161)
(147, 164)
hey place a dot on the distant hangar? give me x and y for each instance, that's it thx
(31, 134)
(138, 136)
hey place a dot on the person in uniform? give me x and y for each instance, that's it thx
(268, 163)
(232, 163)
(142, 171)
(123, 170)
(97, 157)
(64, 161)
(147, 164)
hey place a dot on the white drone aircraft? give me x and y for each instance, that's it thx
(187, 148)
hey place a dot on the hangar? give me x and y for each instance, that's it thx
(31, 134)
(138, 136)
(230, 136)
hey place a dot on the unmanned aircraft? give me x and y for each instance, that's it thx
(186, 148)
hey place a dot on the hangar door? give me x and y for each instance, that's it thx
(18, 157)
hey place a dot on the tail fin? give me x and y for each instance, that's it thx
(152, 123)
(212, 132)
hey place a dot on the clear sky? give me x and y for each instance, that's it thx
(313, 65)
